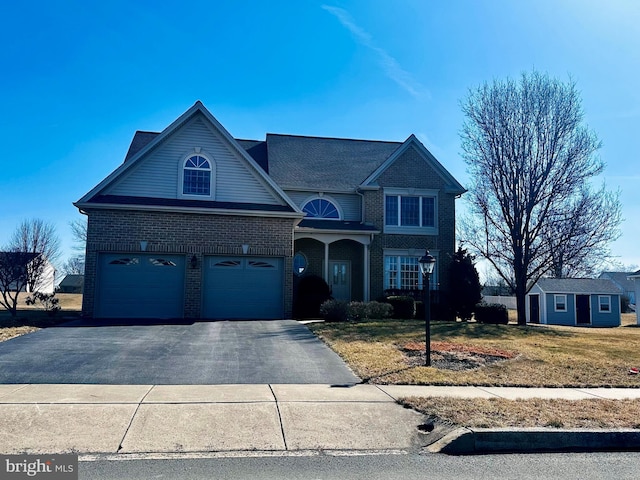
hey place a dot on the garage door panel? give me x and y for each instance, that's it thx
(243, 287)
(140, 286)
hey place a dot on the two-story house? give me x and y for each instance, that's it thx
(197, 224)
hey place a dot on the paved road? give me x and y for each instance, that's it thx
(576, 466)
(229, 352)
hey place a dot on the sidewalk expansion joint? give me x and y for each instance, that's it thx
(284, 436)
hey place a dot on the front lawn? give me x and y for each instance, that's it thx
(536, 356)
(32, 317)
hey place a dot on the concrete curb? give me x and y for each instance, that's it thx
(465, 441)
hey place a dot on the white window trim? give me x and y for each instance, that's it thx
(329, 199)
(600, 297)
(555, 303)
(212, 179)
(393, 252)
(410, 192)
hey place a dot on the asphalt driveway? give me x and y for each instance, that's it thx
(226, 352)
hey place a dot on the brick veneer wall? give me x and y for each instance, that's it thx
(410, 171)
(189, 234)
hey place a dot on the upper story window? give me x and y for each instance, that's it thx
(321, 208)
(196, 176)
(410, 212)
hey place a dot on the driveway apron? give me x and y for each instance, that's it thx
(224, 352)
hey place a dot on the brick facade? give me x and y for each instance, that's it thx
(189, 234)
(410, 171)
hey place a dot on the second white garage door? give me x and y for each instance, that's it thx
(243, 287)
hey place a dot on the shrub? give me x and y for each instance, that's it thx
(403, 307)
(372, 310)
(494, 313)
(379, 310)
(312, 291)
(48, 301)
(335, 311)
(358, 311)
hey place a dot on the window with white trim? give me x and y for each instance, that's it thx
(321, 208)
(401, 271)
(409, 211)
(604, 303)
(560, 303)
(197, 173)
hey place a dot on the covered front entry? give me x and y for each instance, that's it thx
(243, 287)
(137, 285)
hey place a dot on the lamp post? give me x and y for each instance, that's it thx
(427, 262)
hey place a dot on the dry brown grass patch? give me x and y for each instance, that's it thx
(555, 413)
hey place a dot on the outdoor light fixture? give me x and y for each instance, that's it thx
(194, 262)
(427, 262)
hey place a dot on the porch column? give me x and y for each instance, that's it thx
(326, 262)
(365, 270)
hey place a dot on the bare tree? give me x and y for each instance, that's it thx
(79, 232)
(13, 278)
(531, 160)
(74, 265)
(38, 238)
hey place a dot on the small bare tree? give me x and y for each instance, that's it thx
(79, 232)
(38, 238)
(74, 265)
(13, 278)
(531, 160)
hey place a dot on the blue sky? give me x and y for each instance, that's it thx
(79, 77)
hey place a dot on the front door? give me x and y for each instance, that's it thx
(340, 279)
(583, 310)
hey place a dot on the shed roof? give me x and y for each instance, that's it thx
(578, 285)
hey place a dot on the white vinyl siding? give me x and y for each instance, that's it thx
(159, 175)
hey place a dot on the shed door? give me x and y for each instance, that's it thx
(243, 287)
(134, 285)
(534, 308)
(583, 310)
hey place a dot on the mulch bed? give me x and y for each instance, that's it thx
(454, 356)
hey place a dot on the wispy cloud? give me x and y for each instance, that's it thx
(389, 65)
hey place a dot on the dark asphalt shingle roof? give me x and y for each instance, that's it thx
(188, 203)
(578, 285)
(620, 278)
(324, 163)
(337, 225)
(140, 140)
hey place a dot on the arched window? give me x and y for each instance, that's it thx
(196, 176)
(321, 208)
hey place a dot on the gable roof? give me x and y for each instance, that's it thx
(144, 142)
(635, 274)
(621, 279)
(324, 163)
(453, 186)
(72, 280)
(578, 285)
(18, 258)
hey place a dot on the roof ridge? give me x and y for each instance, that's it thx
(333, 138)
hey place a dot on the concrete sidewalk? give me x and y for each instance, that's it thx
(140, 419)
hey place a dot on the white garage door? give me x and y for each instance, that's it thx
(243, 287)
(140, 286)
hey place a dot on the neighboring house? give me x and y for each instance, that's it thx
(623, 282)
(71, 283)
(198, 224)
(22, 262)
(574, 301)
(635, 277)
